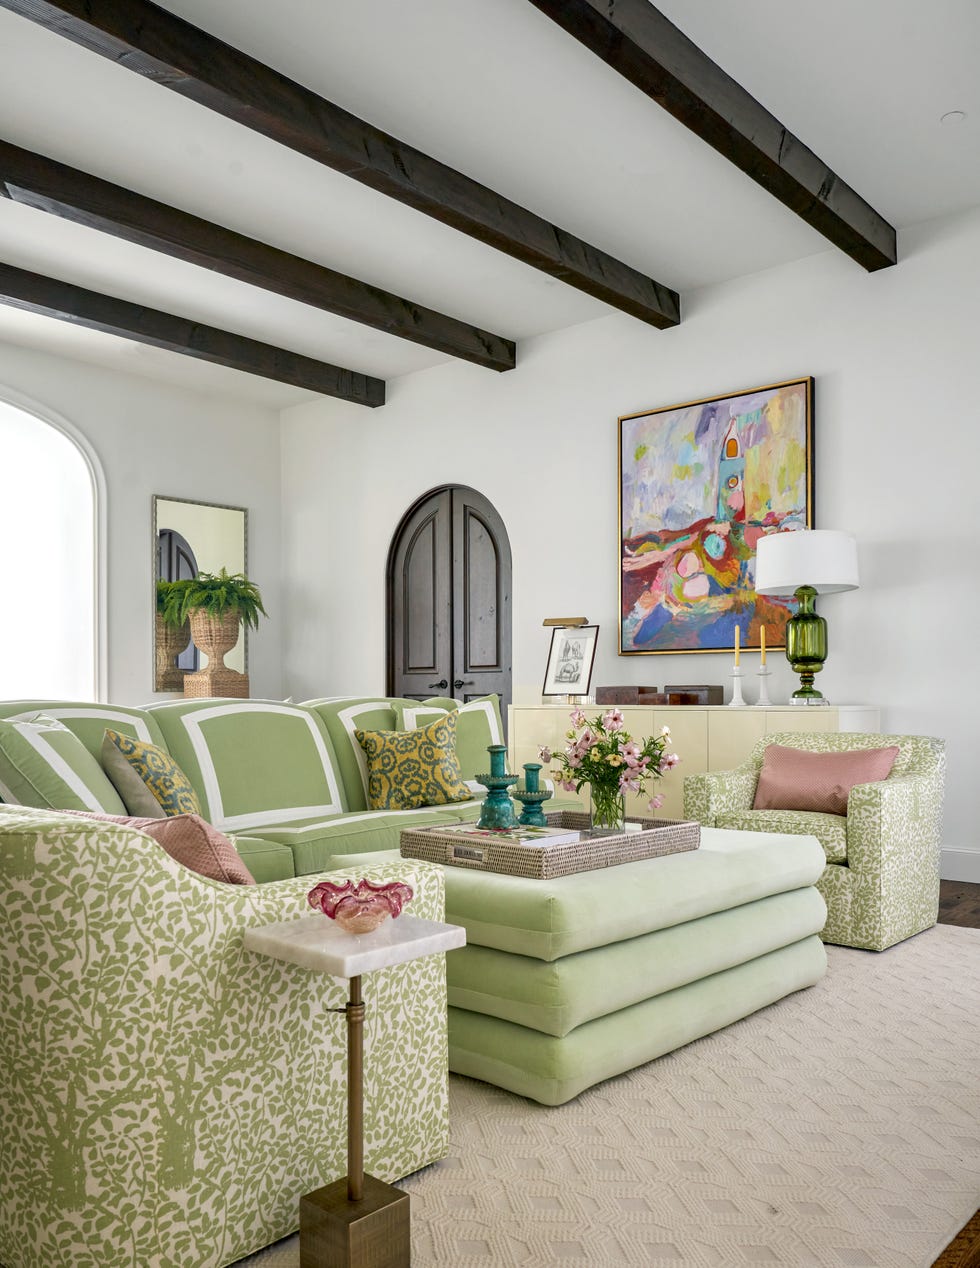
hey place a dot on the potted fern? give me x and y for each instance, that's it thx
(172, 635)
(217, 606)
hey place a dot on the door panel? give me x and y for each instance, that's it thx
(420, 586)
(479, 582)
(420, 602)
(449, 600)
(481, 600)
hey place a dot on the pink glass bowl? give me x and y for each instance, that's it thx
(360, 906)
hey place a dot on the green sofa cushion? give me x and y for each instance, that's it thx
(830, 830)
(266, 860)
(478, 724)
(342, 716)
(91, 721)
(410, 714)
(316, 844)
(254, 762)
(44, 764)
(556, 996)
(549, 919)
(553, 1070)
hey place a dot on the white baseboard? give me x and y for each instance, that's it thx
(960, 865)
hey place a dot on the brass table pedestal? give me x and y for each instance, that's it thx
(357, 1222)
(374, 1232)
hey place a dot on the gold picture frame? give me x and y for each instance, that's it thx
(699, 483)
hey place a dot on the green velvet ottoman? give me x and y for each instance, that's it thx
(567, 982)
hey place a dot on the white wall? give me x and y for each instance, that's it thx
(897, 445)
(151, 438)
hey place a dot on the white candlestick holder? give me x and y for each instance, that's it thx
(736, 701)
(763, 674)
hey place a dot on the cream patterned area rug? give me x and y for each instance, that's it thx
(839, 1128)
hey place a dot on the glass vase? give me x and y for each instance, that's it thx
(607, 807)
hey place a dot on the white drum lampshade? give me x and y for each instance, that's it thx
(822, 558)
(806, 563)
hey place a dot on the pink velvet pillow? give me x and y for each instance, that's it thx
(190, 840)
(795, 779)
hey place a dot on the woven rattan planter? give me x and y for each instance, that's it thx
(170, 642)
(215, 637)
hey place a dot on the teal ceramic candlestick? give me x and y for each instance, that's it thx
(498, 809)
(531, 796)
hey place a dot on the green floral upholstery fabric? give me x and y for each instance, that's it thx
(888, 889)
(168, 1095)
(830, 830)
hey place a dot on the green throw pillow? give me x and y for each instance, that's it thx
(411, 714)
(407, 769)
(44, 764)
(147, 778)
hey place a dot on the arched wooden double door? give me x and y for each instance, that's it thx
(449, 599)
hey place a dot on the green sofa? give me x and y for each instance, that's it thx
(881, 879)
(288, 782)
(168, 1096)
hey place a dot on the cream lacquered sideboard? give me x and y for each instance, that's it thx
(713, 737)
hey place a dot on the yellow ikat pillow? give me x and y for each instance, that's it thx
(408, 769)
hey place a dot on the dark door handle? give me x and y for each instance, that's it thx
(442, 683)
(460, 683)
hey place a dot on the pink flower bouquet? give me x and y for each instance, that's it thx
(602, 754)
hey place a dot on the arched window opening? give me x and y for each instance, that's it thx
(48, 557)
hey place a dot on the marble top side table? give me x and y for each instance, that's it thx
(357, 1222)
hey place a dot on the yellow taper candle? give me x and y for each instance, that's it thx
(736, 646)
(762, 644)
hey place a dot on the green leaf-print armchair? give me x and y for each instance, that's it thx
(881, 882)
(168, 1096)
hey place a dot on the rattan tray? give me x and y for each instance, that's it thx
(657, 837)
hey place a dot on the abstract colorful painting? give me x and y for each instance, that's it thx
(699, 485)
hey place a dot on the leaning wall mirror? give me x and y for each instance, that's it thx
(188, 538)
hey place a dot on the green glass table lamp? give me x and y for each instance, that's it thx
(804, 563)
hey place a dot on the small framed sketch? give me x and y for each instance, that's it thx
(570, 661)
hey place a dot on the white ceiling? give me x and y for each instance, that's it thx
(501, 93)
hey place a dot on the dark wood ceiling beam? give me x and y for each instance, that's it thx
(50, 186)
(636, 40)
(169, 51)
(36, 293)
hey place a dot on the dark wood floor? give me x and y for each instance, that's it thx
(959, 904)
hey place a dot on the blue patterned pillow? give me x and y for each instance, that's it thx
(148, 779)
